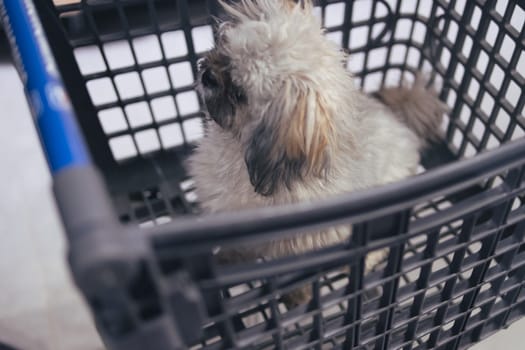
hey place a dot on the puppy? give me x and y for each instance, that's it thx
(287, 124)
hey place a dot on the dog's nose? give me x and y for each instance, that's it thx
(202, 63)
(209, 79)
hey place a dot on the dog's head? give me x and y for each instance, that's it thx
(270, 82)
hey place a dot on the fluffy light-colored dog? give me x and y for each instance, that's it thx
(289, 126)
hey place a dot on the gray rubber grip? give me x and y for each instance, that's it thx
(83, 201)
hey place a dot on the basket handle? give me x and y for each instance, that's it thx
(54, 117)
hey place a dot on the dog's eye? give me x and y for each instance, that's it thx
(209, 79)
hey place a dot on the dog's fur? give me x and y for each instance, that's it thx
(289, 125)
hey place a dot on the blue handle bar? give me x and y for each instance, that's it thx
(61, 138)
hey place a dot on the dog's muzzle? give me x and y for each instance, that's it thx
(208, 88)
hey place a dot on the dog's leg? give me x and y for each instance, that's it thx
(302, 244)
(233, 256)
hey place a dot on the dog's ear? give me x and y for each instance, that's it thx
(310, 133)
(293, 139)
(290, 4)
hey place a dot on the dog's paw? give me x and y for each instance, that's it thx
(297, 297)
(233, 256)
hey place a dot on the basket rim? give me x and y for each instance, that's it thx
(212, 229)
